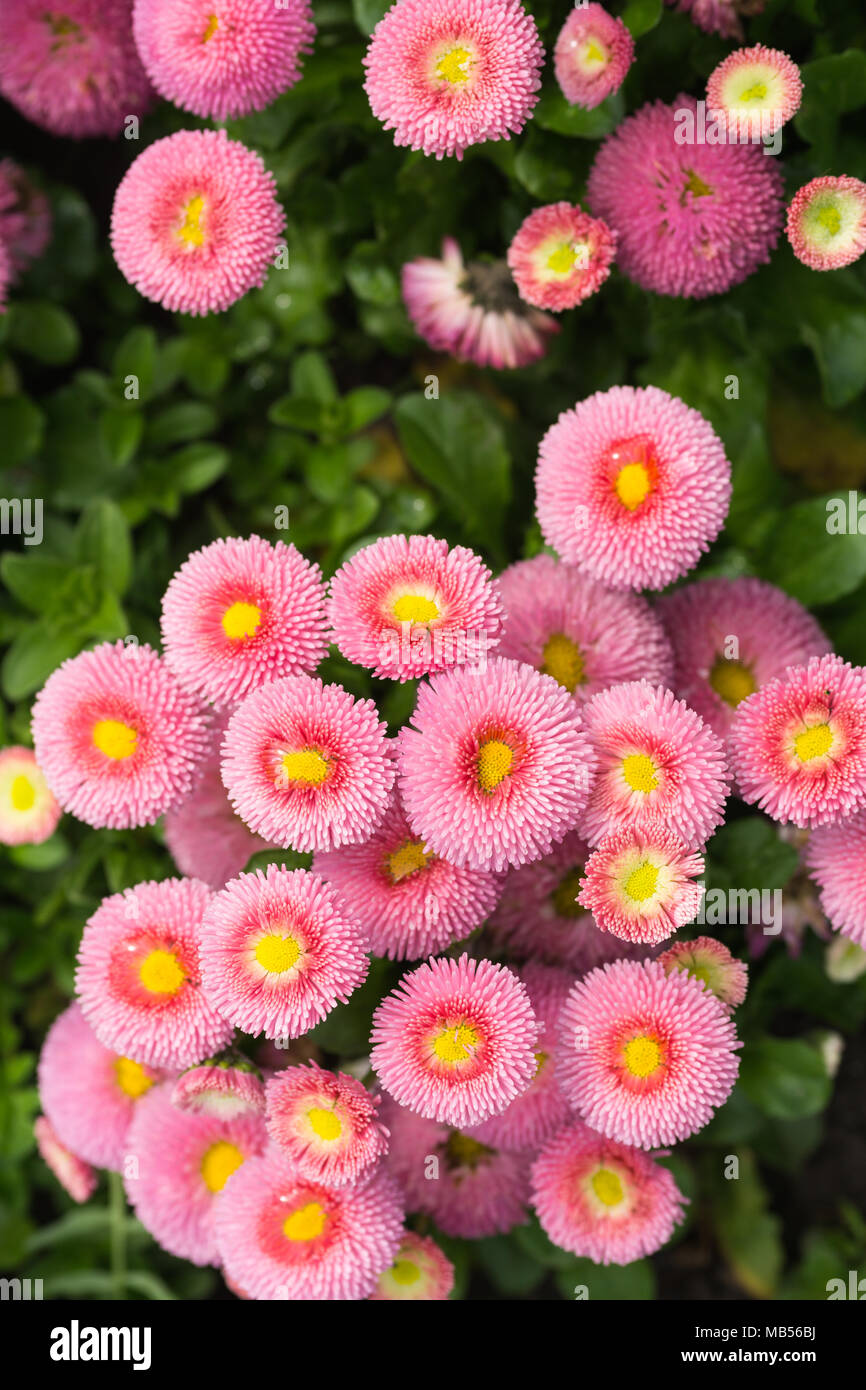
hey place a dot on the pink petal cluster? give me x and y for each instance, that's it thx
(559, 256)
(760, 88)
(220, 1089)
(826, 223)
(76, 1176)
(326, 1123)
(836, 860)
(593, 53)
(420, 1273)
(711, 962)
(640, 883)
(28, 811)
(25, 217)
(721, 17)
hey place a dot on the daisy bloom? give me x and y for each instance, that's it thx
(326, 1123)
(447, 74)
(494, 771)
(73, 70)
(73, 1174)
(118, 740)
(632, 486)
(420, 1273)
(569, 626)
(223, 60)
(470, 1189)
(836, 860)
(282, 1236)
(541, 1109)
(560, 255)
(307, 765)
(758, 89)
(89, 1093)
(138, 976)
(693, 219)
(640, 883)
(604, 1201)
(710, 961)
(196, 222)
(28, 810)
(280, 950)
(410, 902)
(593, 53)
(657, 760)
(798, 745)
(719, 16)
(220, 1087)
(645, 1057)
(731, 636)
(456, 1040)
(182, 1162)
(473, 312)
(539, 917)
(827, 222)
(241, 613)
(409, 605)
(25, 217)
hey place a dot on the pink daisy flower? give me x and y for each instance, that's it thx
(494, 771)
(604, 1201)
(639, 883)
(241, 613)
(74, 71)
(182, 1163)
(560, 255)
(569, 626)
(541, 1109)
(657, 761)
(539, 917)
(222, 1088)
(282, 1236)
(798, 745)
(280, 950)
(196, 222)
(836, 860)
(473, 312)
(693, 219)
(593, 53)
(719, 16)
(138, 976)
(409, 605)
(73, 1174)
(410, 902)
(25, 217)
(470, 1189)
(28, 810)
(326, 1123)
(307, 765)
(708, 960)
(826, 223)
(632, 486)
(89, 1093)
(118, 740)
(645, 1057)
(758, 88)
(420, 1273)
(455, 1041)
(447, 74)
(731, 636)
(223, 61)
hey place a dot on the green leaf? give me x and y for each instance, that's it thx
(181, 423)
(836, 333)
(197, 466)
(831, 86)
(313, 378)
(749, 853)
(785, 1077)
(368, 13)
(39, 858)
(35, 580)
(748, 1233)
(121, 431)
(103, 540)
(804, 559)
(43, 330)
(512, 1270)
(135, 356)
(554, 112)
(607, 1283)
(32, 657)
(544, 164)
(362, 406)
(640, 16)
(371, 276)
(21, 429)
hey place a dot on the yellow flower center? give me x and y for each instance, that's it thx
(814, 742)
(190, 230)
(241, 620)
(161, 972)
(593, 55)
(494, 763)
(306, 1223)
(757, 92)
(405, 1272)
(455, 66)
(306, 766)
(325, 1124)
(607, 1187)
(540, 1059)
(565, 896)
(114, 739)
(220, 1161)
(732, 680)
(642, 1056)
(414, 608)
(212, 26)
(562, 660)
(561, 260)
(132, 1078)
(640, 772)
(277, 954)
(633, 483)
(641, 883)
(407, 860)
(456, 1044)
(696, 186)
(830, 219)
(464, 1152)
(23, 793)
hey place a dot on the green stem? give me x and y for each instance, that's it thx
(117, 1234)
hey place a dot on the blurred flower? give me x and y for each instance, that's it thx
(719, 16)
(844, 962)
(28, 811)
(73, 1174)
(836, 860)
(827, 222)
(221, 1088)
(420, 1272)
(560, 255)
(710, 961)
(326, 1123)
(593, 53)
(25, 217)
(758, 88)
(639, 884)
